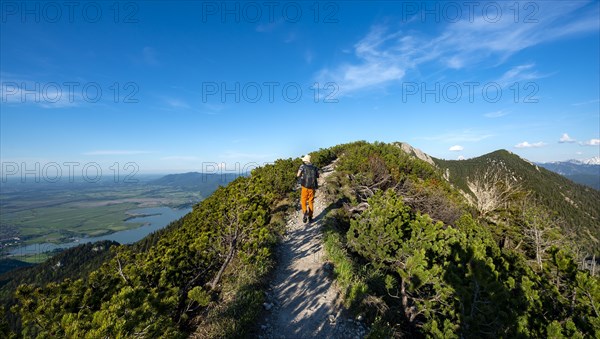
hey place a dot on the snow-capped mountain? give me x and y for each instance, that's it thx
(591, 161)
(586, 171)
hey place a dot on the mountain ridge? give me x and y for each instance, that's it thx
(193, 181)
(585, 172)
(575, 203)
(588, 161)
(410, 253)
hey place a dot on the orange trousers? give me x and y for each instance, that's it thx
(307, 196)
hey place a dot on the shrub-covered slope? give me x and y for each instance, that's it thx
(576, 206)
(200, 273)
(417, 259)
(414, 253)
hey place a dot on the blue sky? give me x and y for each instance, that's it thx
(179, 86)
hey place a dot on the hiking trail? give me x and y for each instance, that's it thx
(303, 300)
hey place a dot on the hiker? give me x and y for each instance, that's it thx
(307, 175)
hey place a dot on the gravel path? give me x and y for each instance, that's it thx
(303, 301)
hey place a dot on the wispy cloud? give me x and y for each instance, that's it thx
(526, 144)
(269, 27)
(586, 102)
(149, 56)
(518, 74)
(308, 56)
(565, 138)
(213, 108)
(43, 94)
(380, 61)
(386, 54)
(116, 152)
(177, 103)
(591, 142)
(555, 20)
(456, 148)
(496, 114)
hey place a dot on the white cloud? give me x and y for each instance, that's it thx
(385, 54)
(566, 138)
(116, 152)
(496, 114)
(591, 142)
(46, 95)
(526, 144)
(456, 148)
(149, 56)
(504, 37)
(461, 157)
(213, 108)
(517, 74)
(383, 57)
(177, 103)
(308, 56)
(269, 27)
(376, 67)
(586, 102)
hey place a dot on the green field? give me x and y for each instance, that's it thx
(56, 214)
(33, 258)
(56, 223)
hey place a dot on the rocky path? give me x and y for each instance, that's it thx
(303, 301)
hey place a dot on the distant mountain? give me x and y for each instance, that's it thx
(205, 183)
(590, 161)
(576, 204)
(585, 172)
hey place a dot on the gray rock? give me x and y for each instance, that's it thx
(332, 319)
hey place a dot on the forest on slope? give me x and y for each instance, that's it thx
(517, 182)
(419, 258)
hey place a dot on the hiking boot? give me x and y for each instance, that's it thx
(310, 219)
(305, 218)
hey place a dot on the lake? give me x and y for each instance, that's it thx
(153, 219)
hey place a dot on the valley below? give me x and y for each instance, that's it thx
(39, 220)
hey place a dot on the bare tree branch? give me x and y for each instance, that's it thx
(492, 190)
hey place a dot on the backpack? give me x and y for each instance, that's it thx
(309, 176)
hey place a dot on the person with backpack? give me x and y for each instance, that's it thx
(307, 175)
